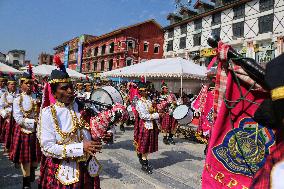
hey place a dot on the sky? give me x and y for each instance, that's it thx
(39, 25)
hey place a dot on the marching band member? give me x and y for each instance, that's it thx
(25, 150)
(79, 89)
(6, 106)
(147, 140)
(88, 88)
(2, 90)
(167, 105)
(65, 140)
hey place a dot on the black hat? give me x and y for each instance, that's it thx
(142, 86)
(11, 78)
(59, 76)
(274, 77)
(27, 76)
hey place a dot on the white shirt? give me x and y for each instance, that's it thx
(6, 103)
(54, 145)
(87, 95)
(80, 94)
(143, 107)
(51, 141)
(2, 91)
(28, 123)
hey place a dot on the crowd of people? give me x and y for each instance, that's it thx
(44, 123)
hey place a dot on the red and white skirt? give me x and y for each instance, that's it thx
(147, 138)
(168, 124)
(48, 180)
(25, 148)
(7, 136)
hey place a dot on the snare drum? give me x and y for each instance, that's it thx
(107, 95)
(183, 114)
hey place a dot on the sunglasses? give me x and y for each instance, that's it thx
(66, 86)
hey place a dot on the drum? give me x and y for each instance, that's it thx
(183, 114)
(107, 95)
(130, 112)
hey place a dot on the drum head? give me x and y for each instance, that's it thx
(180, 112)
(107, 95)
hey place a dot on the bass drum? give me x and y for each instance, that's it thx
(107, 95)
(183, 114)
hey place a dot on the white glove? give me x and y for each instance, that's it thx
(29, 123)
(3, 113)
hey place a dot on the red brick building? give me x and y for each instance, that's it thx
(122, 47)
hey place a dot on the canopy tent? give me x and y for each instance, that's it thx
(161, 68)
(171, 70)
(8, 69)
(45, 70)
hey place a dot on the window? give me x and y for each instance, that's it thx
(216, 32)
(96, 51)
(265, 5)
(129, 61)
(16, 55)
(156, 48)
(216, 19)
(95, 66)
(239, 11)
(103, 49)
(102, 65)
(265, 23)
(171, 33)
(197, 39)
(146, 47)
(170, 45)
(183, 29)
(111, 47)
(110, 64)
(198, 24)
(130, 45)
(87, 67)
(89, 52)
(182, 42)
(238, 29)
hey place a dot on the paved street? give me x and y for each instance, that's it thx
(178, 166)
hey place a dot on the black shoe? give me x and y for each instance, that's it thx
(32, 174)
(146, 168)
(165, 141)
(140, 158)
(171, 140)
(26, 183)
(205, 150)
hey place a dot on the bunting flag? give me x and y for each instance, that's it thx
(238, 145)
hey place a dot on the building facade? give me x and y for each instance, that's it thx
(45, 58)
(16, 58)
(255, 28)
(122, 47)
(69, 50)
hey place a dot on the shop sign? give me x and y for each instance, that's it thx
(208, 52)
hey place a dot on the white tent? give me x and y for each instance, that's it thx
(45, 70)
(189, 74)
(161, 68)
(8, 69)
